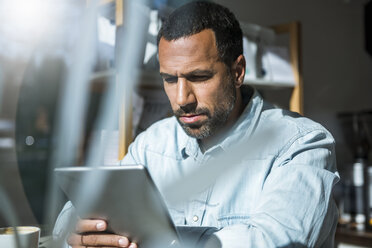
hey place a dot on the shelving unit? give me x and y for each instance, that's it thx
(293, 31)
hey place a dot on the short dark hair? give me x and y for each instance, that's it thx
(195, 17)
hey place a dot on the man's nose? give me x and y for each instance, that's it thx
(185, 94)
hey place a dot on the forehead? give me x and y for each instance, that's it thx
(188, 53)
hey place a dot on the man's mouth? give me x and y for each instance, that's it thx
(191, 118)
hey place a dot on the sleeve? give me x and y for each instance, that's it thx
(295, 208)
(60, 228)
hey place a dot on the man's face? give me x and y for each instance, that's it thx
(199, 86)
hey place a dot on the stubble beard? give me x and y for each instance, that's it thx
(215, 121)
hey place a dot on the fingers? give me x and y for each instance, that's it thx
(87, 236)
(133, 245)
(86, 225)
(94, 240)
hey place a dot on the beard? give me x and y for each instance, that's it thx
(215, 120)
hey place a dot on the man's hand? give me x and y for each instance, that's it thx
(90, 233)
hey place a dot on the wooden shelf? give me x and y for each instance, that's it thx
(353, 237)
(262, 83)
(147, 79)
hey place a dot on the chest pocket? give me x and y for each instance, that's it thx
(238, 191)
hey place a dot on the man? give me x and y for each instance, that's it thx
(277, 196)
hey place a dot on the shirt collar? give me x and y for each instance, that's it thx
(246, 123)
(192, 147)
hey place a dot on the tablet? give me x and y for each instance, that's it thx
(128, 200)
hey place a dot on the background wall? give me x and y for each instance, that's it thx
(336, 68)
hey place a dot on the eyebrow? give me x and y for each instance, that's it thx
(196, 72)
(166, 75)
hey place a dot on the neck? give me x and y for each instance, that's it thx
(221, 134)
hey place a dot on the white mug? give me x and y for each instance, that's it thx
(28, 237)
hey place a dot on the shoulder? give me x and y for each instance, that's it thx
(288, 131)
(294, 139)
(291, 124)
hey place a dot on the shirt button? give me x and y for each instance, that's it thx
(195, 218)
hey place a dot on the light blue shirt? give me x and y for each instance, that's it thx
(277, 197)
(280, 196)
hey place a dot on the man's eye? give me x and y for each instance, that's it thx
(198, 78)
(170, 80)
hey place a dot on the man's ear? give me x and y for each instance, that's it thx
(239, 70)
